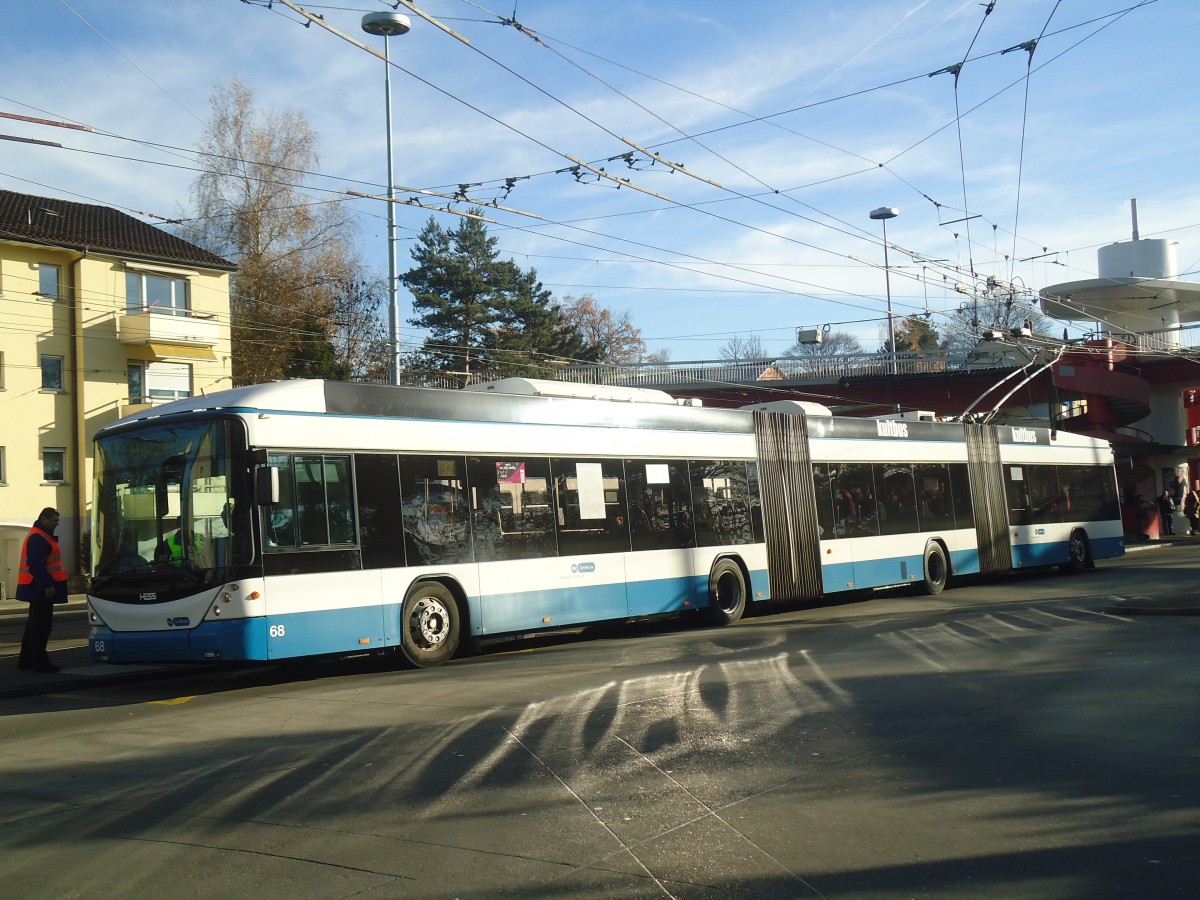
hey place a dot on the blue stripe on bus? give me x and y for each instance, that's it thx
(231, 639)
(837, 577)
(1052, 553)
(893, 570)
(965, 562)
(337, 630)
(526, 610)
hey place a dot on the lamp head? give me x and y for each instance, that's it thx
(387, 24)
(884, 212)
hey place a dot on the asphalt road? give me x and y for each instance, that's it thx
(1007, 739)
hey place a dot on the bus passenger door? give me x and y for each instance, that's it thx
(549, 540)
(846, 511)
(661, 571)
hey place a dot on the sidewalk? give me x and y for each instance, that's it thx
(70, 653)
(72, 656)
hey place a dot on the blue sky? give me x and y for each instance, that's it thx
(806, 115)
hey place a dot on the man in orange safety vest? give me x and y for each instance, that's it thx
(41, 582)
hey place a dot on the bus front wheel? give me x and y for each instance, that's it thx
(936, 569)
(726, 593)
(429, 625)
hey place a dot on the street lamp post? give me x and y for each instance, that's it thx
(882, 215)
(390, 24)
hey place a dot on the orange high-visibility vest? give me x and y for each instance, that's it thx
(54, 563)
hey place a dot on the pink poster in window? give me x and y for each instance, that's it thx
(510, 473)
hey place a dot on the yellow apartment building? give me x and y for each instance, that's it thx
(100, 314)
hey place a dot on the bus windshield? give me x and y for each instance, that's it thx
(165, 504)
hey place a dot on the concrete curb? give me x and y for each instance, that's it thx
(1151, 611)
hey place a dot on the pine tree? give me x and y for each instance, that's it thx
(484, 315)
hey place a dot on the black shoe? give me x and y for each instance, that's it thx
(46, 668)
(23, 664)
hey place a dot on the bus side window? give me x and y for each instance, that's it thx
(377, 483)
(857, 505)
(825, 518)
(339, 498)
(510, 503)
(960, 495)
(754, 499)
(1019, 492)
(720, 508)
(589, 506)
(1046, 498)
(280, 519)
(324, 500)
(935, 511)
(1089, 493)
(434, 509)
(897, 498)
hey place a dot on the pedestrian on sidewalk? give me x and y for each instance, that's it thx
(1191, 509)
(1166, 512)
(41, 582)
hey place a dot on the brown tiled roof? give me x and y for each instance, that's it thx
(98, 229)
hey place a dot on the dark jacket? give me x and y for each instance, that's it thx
(38, 551)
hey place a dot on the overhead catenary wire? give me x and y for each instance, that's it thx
(731, 220)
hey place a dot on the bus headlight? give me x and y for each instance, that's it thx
(94, 617)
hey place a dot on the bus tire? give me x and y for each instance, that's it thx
(936, 569)
(726, 592)
(1079, 554)
(429, 625)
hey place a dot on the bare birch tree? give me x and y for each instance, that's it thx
(298, 264)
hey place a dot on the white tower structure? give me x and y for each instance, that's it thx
(1138, 298)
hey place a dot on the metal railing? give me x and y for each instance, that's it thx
(1166, 340)
(819, 369)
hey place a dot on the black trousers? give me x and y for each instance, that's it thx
(38, 626)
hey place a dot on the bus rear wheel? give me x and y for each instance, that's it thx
(429, 625)
(1078, 553)
(936, 569)
(726, 593)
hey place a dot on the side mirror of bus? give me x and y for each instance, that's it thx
(266, 485)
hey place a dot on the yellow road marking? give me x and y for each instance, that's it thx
(173, 702)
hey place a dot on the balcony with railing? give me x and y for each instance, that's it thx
(155, 328)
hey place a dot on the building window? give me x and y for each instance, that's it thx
(49, 282)
(54, 465)
(158, 382)
(2, 478)
(1, 370)
(135, 374)
(52, 373)
(163, 294)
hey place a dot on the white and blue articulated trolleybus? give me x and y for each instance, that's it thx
(314, 517)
